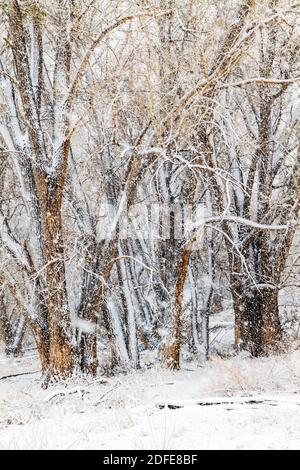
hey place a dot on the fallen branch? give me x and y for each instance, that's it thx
(64, 393)
(18, 375)
(216, 402)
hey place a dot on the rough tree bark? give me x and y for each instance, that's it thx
(6, 336)
(49, 171)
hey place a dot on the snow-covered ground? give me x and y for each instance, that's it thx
(238, 403)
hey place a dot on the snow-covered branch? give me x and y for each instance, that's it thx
(10, 242)
(240, 221)
(101, 37)
(261, 81)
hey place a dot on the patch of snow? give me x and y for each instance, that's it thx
(238, 403)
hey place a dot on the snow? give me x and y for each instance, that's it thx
(84, 325)
(239, 403)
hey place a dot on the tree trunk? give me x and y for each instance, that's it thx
(19, 333)
(61, 352)
(41, 338)
(257, 323)
(88, 354)
(172, 349)
(5, 328)
(88, 310)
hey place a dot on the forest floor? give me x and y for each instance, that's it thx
(236, 403)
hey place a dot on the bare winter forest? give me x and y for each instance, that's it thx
(149, 217)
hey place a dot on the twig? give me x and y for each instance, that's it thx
(106, 393)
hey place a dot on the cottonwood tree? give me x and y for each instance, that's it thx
(205, 88)
(257, 331)
(40, 93)
(263, 156)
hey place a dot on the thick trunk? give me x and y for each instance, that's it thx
(271, 330)
(92, 296)
(257, 323)
(88, 354)
(172, 349)
(42, 342)
(61, 352)
(60, 333)
(5, 328)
